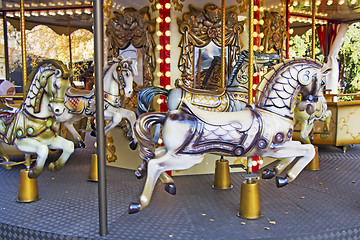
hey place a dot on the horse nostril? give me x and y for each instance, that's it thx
(57, 110)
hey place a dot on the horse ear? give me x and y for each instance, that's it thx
(58, 73)
(326, 70)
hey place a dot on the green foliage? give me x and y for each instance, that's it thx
(301, 46)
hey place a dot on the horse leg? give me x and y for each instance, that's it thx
(67, 147)
(305, 132)
(157, 166)
(70, 127)
(141, 170)
(4, 156)
(30, 145)
(288, 150)
(131, 117)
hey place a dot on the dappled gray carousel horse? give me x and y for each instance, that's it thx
(264, 129)
(32, 127)
(118, 76)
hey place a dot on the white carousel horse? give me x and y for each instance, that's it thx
(32, 127)
(264, 129)
(118, 76)
(232, 98)
(306, 120)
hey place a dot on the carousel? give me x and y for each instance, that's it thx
(199, 125)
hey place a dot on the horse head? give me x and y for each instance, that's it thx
(312, 81)
(124, 74)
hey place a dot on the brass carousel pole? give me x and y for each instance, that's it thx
(222, 170)
(249, 196)
(314, 164)
(23, 44)
(28, 188)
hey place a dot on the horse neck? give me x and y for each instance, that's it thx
(110, 85)
(277, 93)
(36, 101)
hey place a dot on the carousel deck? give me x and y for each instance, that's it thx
(322, 204)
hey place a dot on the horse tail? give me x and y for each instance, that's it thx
(144, 135)
(145, 97)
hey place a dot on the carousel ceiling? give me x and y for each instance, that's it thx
(65, 16)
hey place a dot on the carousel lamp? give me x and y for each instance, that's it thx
(261, 22)
(307, 3)
(160, 101)
(168, 19)
(353, 1)
(159, 33)
(78, 11)
(329, 2)
(255, 34)
(69, 12)
(26, 5)
(168, 33)
(159, 20)
(43, 13)
(291, 31)
(167, 60)
(27, 14)
(159, 47)
(159, 74)
(291, 8)
(261, 9)
(318, 2)
(261, 35)
(60, 12)
(159, 6)
(160, 141)
(61, 4)
(16, 5)
(167, 47)
(42, 4)
(87, 2)
(256, 21)
(168, 74)
(167, 5)
(159, 60)
(254, 163)
(8, 5)
(52, 13)
(291, 42)
(87, 11)
(295, 3)
(256, 8)
(17, 14)
(168, 87)
(68, 3)
(52, 4)
(255, 49)
(9, 14)
(341, 2)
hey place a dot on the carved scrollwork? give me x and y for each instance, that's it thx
(274, 29)
(200, 27)
(135, 27)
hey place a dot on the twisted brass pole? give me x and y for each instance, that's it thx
(223, 65)
(313, 33)
(23, 44)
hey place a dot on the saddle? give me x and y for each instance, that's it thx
(74, 92)
(244, 117)
(217, 93)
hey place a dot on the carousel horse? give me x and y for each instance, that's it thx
(264, 129)
(32, 127)
(232, 98)
(306, 120)
(118, 76)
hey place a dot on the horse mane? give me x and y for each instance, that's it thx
(276, 71)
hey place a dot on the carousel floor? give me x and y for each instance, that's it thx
(322, 204)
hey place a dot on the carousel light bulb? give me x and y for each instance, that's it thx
(159, 47)
(261, 48)
(9, 14)
(34, 4)
(167, 47)
(261, 9)
(43, 4)
(69, 12)
(256, 21)
(329, 2)
(17, 14)
(159, 33)
(307, 3)
(52, 13)
(159, 101)
(160, 141)
(35, 14)
(51, 4)
(159, 60)
(168, 19)
(256, 47)
(261, 35)
(78, 11)
(254, 163)
(68, 3)
(341, 2)
(26, 5)
(353, 1)
(167, 5)
(27, 14)
(291, 31)
(295, 3)
(61, 4)
(167, 60)
(291, 20)
(168, 33)
(159, 20)
(9, 5)
(256, 8)
(291, 8)
(159, 74)
(87, 11)
(291, 42)
(16, 5)
(168, 87)
(159, 6)
(168, 74)
(60, 12)
(255, 34)
(318, 2)
(261, 161)
(261, 21)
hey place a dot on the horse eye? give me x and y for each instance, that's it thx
(56, 85)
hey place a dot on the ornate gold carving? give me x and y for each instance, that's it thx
(107, 6)
(348, 121)
(110, 149)
(135, 27)
(200, 27)
(274, 29)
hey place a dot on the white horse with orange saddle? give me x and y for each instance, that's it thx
(264, 129)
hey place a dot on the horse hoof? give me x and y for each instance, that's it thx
(134, 207)
(268, 174)
(170, 188)
(53, 168)
(93, 133)
(139, 174)
(80, 144)
(281, 181)
(133, 145)
(32, 174)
